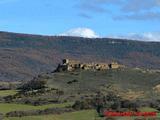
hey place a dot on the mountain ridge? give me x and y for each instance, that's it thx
(101, 38)
(23, 56)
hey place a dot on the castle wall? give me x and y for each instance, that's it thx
(70, 65)
(115, 65)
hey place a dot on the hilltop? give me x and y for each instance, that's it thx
(24, 56)
(75, 86)
(130, 83)
(81, 84)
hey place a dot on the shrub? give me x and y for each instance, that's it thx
(39, 112)
(8, 99)
(81, 105)
(33, 85)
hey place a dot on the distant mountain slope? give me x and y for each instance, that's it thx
(23, 56)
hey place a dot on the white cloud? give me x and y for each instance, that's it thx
(127, 9)
(80, 32)
(142, 37)
(88, 33)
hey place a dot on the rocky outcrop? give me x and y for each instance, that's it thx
(71, 65)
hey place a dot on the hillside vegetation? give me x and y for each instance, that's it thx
(23, 56)
(127, 82)
(67, 94)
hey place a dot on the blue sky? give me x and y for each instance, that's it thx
(104, 17)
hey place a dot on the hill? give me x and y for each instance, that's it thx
(127, 82)
(79, 89)
(23, 56)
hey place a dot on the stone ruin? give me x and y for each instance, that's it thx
(71, 65)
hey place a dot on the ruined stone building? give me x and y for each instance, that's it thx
(70, 65)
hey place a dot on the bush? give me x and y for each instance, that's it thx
(33, 85)
(100, 102)
(8, 99)
(81, 105)
(39, 112)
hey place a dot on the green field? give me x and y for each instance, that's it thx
(4, 93)
(80, 115)
(147, 109)
(5, 107)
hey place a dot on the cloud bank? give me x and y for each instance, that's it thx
(141, 37)
(80, 32)
(126, 9)
(89, 33)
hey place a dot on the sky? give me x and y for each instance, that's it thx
(134, 19)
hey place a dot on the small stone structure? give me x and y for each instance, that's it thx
(70, 65)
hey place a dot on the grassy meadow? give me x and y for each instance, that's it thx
(8, 107)
(80, 115)
(4, 93)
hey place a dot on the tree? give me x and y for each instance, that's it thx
(33, 85)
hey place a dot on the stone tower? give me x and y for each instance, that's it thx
(65, 61)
